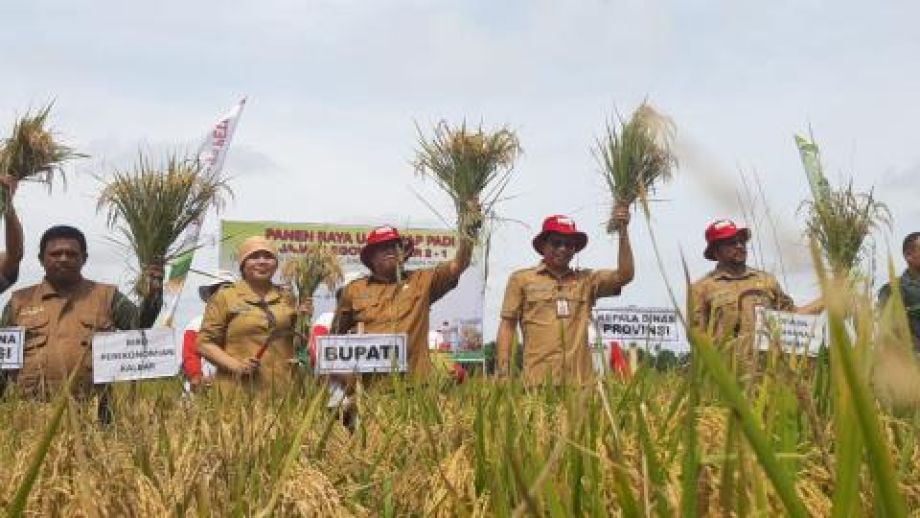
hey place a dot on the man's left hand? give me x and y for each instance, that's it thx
(620, 215)
(305, 307)
(154, 274)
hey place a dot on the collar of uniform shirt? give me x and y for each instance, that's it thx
(721, 273)
(251, 297)
(47, 291)
(543, 269)
(377, 280)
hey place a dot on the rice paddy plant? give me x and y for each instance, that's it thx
(839, 219)
(636, 154)
(479, 449)
(304, 273)
(471, 165)
(152, 204)
(32, 152)
(694, 441)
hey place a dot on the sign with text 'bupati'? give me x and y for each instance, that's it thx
(369, 353)
(135, 355)
(11, 339)
(802, 334)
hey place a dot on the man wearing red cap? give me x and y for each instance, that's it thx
(723, 302)
(552, 302)
(394, 300)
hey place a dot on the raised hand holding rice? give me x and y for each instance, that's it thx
(32, 153)
(152, 205)
(473, 166)
(635, 155)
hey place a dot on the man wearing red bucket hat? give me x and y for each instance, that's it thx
(723, 302)
(552, 303)
(394, 300)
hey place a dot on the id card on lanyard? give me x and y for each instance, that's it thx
(562, 308)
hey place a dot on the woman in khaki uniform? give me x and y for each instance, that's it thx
(248, 327)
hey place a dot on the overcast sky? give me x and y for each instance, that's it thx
(335, 88)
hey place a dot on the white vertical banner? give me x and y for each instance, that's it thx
(211, 156)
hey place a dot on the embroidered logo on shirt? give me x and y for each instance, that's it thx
(28, 311)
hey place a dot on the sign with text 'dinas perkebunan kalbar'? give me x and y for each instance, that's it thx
(365, 353)
(135, 355)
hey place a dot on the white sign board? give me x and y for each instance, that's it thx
(802, 334)
(135, 355)
(11, 339)
(638, 325)
(340, 354)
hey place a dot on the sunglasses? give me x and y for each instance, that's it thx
(559, 242)
(735, 241)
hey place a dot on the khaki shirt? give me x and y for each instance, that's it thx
(236, 320)
(723, 304)
(59, 329)
(554, 314)
(390, 307)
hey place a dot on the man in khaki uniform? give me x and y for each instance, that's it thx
(910, 286)
(61, 314)
(552, 303)
(393, 300)
(723, 302)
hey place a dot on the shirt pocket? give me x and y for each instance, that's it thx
(90, 325)
(539, 305)
(387, 308)
(36, 331)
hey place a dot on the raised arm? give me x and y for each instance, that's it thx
(625, 267)
(468, 234)
(14, 237)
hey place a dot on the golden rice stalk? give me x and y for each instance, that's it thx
(636, 154)
(152, 205)
(841, 222)
(473, 166)
(304, 273)
(32, 153)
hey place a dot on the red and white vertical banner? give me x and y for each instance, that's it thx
(211, 156)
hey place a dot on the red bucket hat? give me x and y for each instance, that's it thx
(560, 224)
(720, 230)
(381, 235)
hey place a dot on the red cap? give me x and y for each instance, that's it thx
(720, 230)
(380, 235)
(560, 224)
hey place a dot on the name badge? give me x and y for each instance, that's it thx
(562, 308)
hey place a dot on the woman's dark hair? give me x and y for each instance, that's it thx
(61, 232)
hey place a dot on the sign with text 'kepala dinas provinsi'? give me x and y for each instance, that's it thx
(802, 334)
(369, 353)
(11, 348)
(134, 355)
(633, 324)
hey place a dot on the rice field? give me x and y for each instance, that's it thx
(793, 439)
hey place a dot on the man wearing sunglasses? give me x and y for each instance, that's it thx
(723, 302)
(395, 300)
(552, 303)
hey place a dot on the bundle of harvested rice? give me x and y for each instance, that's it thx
(32, 153)
(304, 273)
(839, 219)
(152, 205)
(635, 155)
(472, 166)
